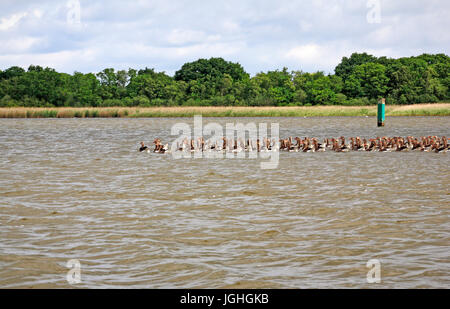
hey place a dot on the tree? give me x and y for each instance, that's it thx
(210, 78)
(151, 84)
(359, 79)
(84, 90)
(112, 84)
(319, 89)
(213, 67)
(12, 72)
(347, 65)
(367, 80)
(277, 85)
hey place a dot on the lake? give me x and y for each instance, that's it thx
(78, 189)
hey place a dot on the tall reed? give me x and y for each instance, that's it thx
(441, 109)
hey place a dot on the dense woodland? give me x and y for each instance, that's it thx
(358, 80)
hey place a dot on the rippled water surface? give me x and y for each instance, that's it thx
(78, 189)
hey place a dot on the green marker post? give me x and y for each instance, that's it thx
(381, 112)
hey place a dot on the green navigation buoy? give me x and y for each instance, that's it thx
(381, 112)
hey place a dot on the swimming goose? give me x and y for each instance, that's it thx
(401, 146)
(158, 145)
(249, 146)
(317, 146)
(336, 146)
(192, 146)
(164, 149)
(381, 144)
(258, 146)
(344, 147)
(143, 147)
(440, 148)
(307, 146)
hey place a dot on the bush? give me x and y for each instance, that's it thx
(6, 101)
(427, 98)
(261, 101)
(357, 102)
(218, 101)
(158, 102)
(171, 103)
(190, 102)
(141, 100)
(373, 101)
(127, 101)
(111, 103)
(340, 99)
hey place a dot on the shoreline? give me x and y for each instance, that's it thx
(435, 109)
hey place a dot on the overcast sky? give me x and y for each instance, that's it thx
(90, 35)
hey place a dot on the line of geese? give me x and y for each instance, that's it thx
(380, 144)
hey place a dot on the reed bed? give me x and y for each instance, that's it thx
(439, 109)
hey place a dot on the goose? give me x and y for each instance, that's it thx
(276, 146)
(445, 142)
(164, 149)
(201, 143)
(143, 147)
(267, 144)
(307, 147)
(192, 146)
(211, 146)
(237, 147)
(318, 147)
(179, 148)
(336, 146)
(249, 147)
(401, 146)
(384, 147)
(291, 146)
(442, 149)
(158, 145)
(438, 147)
(344, 147)
(282, 144)
(298, 146)
(359, 144)
(416, 145)
(381, 144)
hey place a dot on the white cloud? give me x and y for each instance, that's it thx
(262, 35)
(7, 23)
(38, 13)
(18, 45)
(314, 55)
(58, 60)
(230, 26)
(183, 36)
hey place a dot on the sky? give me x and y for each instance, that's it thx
(90, 35)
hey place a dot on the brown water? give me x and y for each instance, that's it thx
(78, 189)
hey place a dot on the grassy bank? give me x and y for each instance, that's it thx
(438, 109)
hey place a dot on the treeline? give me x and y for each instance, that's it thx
(360, 79)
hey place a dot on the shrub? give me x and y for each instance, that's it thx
(141, 100)
(341, 99)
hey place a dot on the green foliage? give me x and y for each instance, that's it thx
(367, 80)
(211, 69)
(347, 65)
(358, 80)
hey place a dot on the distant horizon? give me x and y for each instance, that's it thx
(87, 36)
